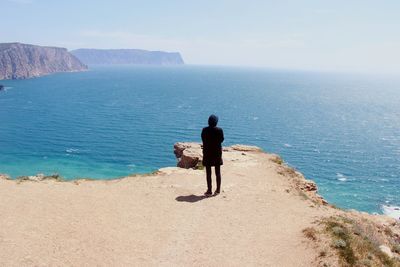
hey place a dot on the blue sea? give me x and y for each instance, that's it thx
(341, 130)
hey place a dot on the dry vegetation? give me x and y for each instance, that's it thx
(355, 241)
(278, 160)
(310, 233)
(348, 239)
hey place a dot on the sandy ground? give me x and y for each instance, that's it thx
(160, 220)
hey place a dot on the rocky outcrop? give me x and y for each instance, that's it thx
(309, 186)
(386, 250)
(4, 177)
(189, 155)
(127, 56)
(39, 178)
(33, 178)
(22, 61)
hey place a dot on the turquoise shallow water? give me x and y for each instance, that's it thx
(342, 131)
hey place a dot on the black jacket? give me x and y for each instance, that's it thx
(212, 149)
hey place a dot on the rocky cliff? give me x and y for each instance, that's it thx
(21, 61)
(127, 56)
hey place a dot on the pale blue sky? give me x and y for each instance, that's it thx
(358, 35)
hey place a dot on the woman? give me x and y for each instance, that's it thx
(212, 137)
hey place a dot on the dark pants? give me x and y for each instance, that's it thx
(217, 174)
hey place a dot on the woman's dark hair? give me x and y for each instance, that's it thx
(213, 120)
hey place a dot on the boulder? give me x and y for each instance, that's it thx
(190, 159)
(39, 177)
(4, 177)
(189, 155)
(386, 250)
(310, 186)
(181, 146)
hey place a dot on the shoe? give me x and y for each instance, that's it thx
(208, 193)
(217, 192)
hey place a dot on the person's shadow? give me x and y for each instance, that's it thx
(192, 198)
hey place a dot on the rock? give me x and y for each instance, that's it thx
(4, 177)
(245, 148)
(39, 177)
(189, 155)
(21, 61)
(34, 178)
(310, 186)
(190, 158)
(181, 146)
(386, 250)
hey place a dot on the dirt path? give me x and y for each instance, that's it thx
(160, 220)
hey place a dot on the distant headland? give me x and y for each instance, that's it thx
(22, 61)
(127, 56)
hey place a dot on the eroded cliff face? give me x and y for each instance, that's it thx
(22, 61)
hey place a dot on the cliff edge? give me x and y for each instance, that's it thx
(22, 61)
(267, 214)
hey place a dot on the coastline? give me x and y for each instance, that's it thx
(265, 212)
(43, 75)
(194, 150)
